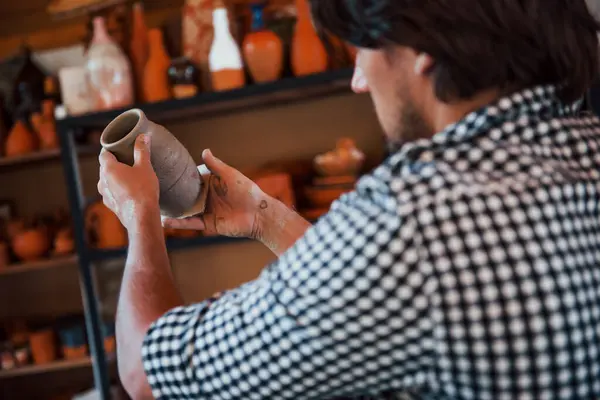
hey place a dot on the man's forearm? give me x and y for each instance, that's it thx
(280, 227)
(147, 292)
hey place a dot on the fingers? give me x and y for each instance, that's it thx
(183, 223)
(141, 150)
(106, 157)
(215, 165)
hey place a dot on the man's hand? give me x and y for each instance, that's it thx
(131, 192)
(233, 206)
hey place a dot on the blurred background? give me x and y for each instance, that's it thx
(251, 80)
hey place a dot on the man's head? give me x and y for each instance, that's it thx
(427, 63)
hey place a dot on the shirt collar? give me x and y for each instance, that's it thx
(534, 103)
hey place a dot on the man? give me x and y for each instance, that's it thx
(465, 266)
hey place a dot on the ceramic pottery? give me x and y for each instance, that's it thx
(182, 189)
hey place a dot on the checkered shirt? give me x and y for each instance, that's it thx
(466, 266)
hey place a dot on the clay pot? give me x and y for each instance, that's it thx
(225, 58)
(182, 191)
(139, 48)
(156, 79)
(263, 49)
(104, 229)
(20, 141)
(45, 129)
(345, 159)
(43, 346)
(31, 244)
(64, 242)
(308, 52)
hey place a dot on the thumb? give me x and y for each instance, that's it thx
(141, 150)
(215, 165)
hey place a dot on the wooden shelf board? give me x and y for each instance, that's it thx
(57, 262)
(208, 104)
(98, 255)
(57, 366)
(43, 156)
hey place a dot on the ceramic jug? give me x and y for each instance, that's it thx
(183, 189)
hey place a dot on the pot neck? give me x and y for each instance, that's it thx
(101, 35)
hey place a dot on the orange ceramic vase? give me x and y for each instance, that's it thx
(263, 50)
(20, 140)
(156, 79)
(138, 48)
(308, 52)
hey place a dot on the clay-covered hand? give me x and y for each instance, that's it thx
(233, 206)
(131, 192)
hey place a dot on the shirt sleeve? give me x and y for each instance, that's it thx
(345, 311)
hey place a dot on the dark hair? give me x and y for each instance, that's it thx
(478, 44)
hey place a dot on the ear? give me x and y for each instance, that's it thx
(423, 64)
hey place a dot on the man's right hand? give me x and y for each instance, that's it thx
(233, 205)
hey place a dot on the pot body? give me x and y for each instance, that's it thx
(178, 176)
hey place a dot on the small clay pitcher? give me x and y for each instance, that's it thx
(183, 190)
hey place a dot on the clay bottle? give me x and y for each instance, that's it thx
(156, 79)
(108, 70)
(139, 48)
(308, 53)
(225, 59)
(20, 140)
(263, 50)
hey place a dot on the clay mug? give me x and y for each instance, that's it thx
(183, 189)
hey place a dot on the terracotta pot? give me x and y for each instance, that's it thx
(108, 68)
(45, 129)
(105, 231)
(308, 53)
(64, 242)
(20, 140)
(139, 49)
(182, 191)
(345, 159)
(263, 49)
(156, 79)
(31, 244)
(43, 346)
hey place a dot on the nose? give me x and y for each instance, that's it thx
(359, 81)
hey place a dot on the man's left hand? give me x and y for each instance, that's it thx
(131, 192)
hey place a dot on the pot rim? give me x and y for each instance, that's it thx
(137, 112)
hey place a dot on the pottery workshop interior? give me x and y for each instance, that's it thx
(254, 81)
(271, 117)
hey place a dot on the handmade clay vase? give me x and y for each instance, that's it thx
(197, 35)
(43, 346)
(139, 48)
(263, 49)
(105, 231)
(156, 79)
(182, 189)
(20, 140)
(31, 244)
(308, 52)
(108, 69)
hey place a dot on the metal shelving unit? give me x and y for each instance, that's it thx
(287, 90)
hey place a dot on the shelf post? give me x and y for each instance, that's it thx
(93, 320)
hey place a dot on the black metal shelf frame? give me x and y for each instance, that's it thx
(204, 105)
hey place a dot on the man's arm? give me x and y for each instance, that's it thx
(147, 292)
(279, 227)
